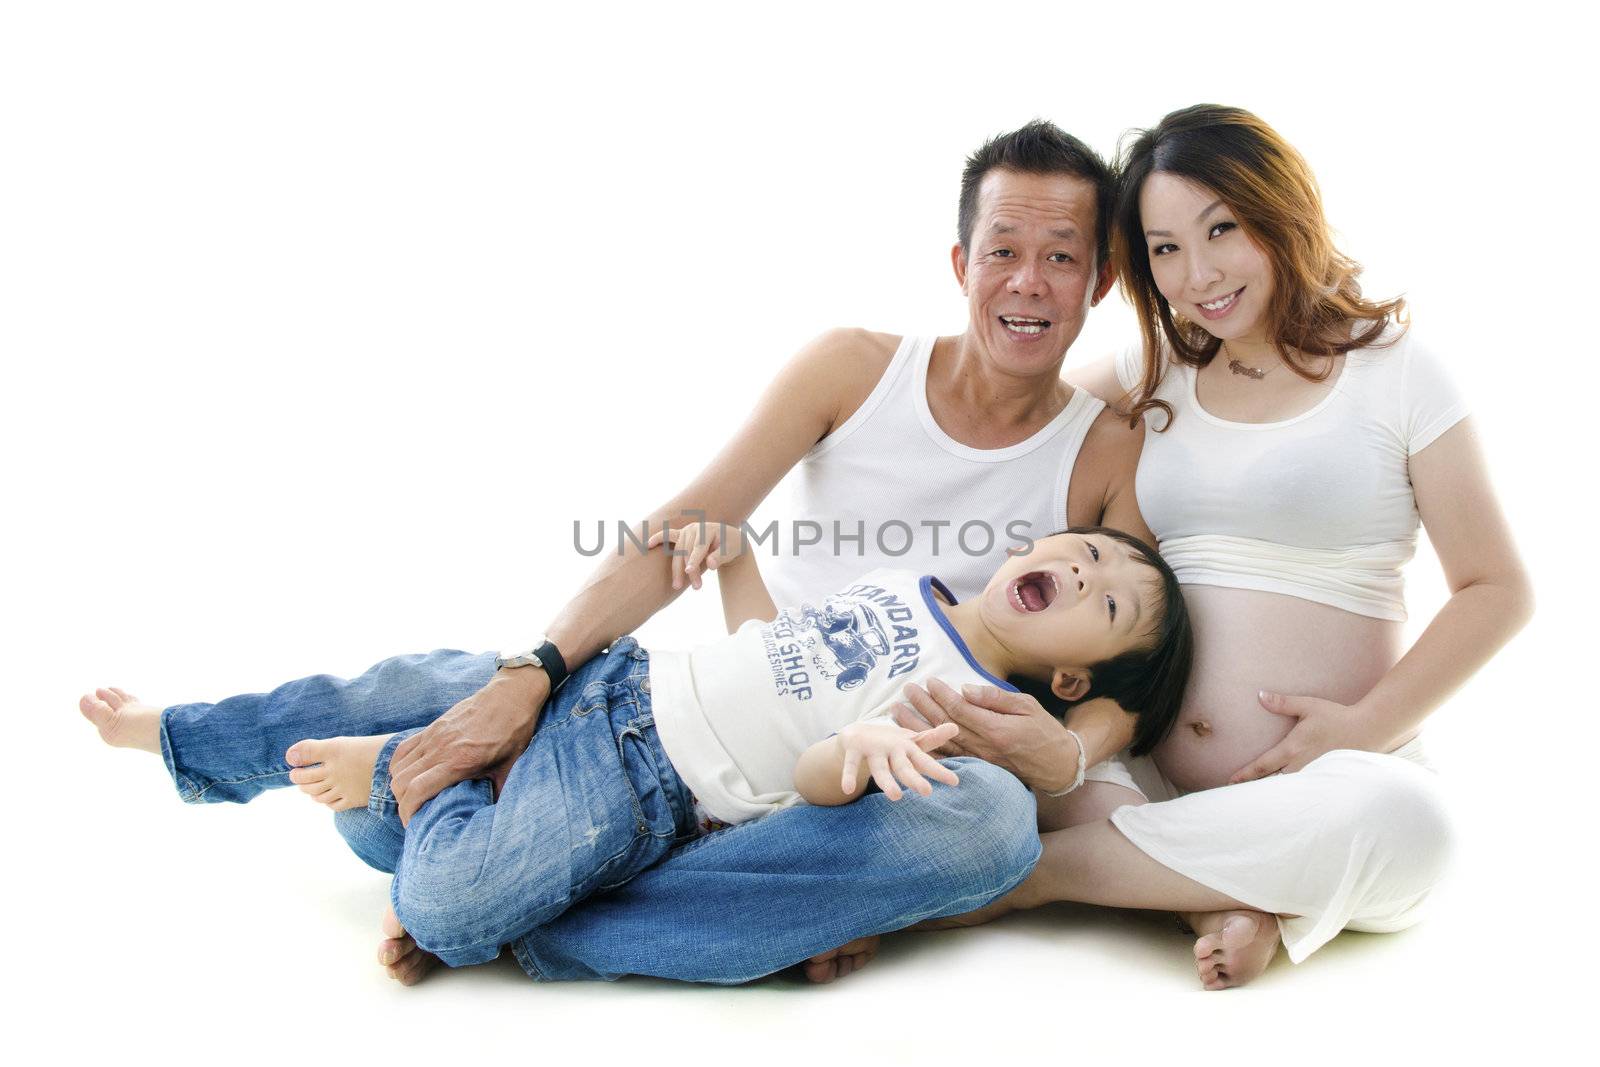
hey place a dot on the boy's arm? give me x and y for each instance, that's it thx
(829, 772)
(817, 774)
(745, 595)
(705, 546)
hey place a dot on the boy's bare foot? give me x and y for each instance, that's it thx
(400, 956)
(837, 963)
(336, 771)
(1234, 946)
(123, 722)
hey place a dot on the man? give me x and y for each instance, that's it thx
(979, 426)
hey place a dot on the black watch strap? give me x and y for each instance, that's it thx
(555, 666)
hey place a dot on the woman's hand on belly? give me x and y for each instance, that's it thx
(1247, 641)
(1320, 726)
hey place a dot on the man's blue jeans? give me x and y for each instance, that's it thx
(554, 868)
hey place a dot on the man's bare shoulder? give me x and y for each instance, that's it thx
(853, 350)
(848, 362)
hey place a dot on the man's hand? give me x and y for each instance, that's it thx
(478, 738)
(1010, 730)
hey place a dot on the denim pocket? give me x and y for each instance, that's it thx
(654, 827)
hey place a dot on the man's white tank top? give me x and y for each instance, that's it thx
(889, 488)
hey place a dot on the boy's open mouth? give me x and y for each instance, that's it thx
(1034, 591)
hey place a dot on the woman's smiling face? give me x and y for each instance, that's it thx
(1202, 260)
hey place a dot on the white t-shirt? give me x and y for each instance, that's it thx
(734, 716)
(1318, 506)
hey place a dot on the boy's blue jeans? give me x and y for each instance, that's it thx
(575, 866)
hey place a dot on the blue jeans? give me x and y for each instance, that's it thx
(554, 868)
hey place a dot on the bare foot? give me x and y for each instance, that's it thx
(988, 913)
(836, 963)
(336, 771)
(1234, 946)
(399, 955)
(123, 722)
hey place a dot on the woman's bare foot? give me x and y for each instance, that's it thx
(1234, 946)
(336, 771)
(123, 722)
(399, 955)
(836, 963)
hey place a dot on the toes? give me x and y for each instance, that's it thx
(111, 697)
(303, 753)
(392, 950)
(821, 972)
(94, 709)
(1207, 946)
(390, 924)
(308, 775)
(1238, 931)
(411, 968)
(127, 698)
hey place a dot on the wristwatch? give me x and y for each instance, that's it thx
(544, 655)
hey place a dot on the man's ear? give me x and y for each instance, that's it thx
(1070, 683)
(1103, 284)
(958, 260)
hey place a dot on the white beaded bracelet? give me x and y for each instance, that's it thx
(1083, 765)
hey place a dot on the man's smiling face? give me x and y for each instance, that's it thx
(1029, 275)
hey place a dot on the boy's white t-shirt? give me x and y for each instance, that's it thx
(734, 716)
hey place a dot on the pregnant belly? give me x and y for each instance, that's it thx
(1246, 641)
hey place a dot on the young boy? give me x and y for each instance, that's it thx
(639, 751)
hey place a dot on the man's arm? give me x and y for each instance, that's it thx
(491, 728)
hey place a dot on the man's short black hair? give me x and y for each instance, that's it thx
(1040, 147)
(1147, 682)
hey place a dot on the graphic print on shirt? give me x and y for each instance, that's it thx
(861, 630)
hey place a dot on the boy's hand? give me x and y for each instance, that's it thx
(699, 549)
(894, 756)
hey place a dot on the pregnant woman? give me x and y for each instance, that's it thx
(1295, 434)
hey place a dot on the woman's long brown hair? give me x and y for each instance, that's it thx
(1316, 308)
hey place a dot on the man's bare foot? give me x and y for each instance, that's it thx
(399, 955)
(123, 722)
(1234, 946)
(336, 771)
(987, 913)
(836, 963)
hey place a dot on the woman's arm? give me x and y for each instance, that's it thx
(1490, 600)
(1100, 379)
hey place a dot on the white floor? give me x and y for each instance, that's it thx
(248, 933)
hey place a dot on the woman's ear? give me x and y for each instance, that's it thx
(1070, 683)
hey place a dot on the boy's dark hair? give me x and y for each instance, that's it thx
(1147, 682)
(1040, 147)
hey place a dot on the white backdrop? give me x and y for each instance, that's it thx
(323, 321)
